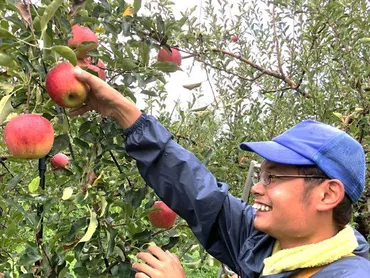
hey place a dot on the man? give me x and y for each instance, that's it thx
(297, 226)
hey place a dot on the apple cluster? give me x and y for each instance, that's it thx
(31, 136)
(73, 93)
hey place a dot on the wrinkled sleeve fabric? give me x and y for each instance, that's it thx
(216, 218)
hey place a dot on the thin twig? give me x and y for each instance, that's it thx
(272, 73)
(210, 85)
(278, 54)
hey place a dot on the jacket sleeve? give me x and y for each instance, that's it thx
(220, 221)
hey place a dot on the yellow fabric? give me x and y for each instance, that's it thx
(311, 255)
(308, 272)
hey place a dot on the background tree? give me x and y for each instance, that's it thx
(292, 60)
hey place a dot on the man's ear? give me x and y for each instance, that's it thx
(330, 194)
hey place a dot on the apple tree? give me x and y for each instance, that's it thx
(267, 64)
(88, 218)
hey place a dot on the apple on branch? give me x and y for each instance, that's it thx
(164, 218)
(64, 88)
(99, 68)
(29, 136)
(59, 161)
(82, 41)
(174, 56)
(234, 38)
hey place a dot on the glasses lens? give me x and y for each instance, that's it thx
(255, 177)
(265, 178)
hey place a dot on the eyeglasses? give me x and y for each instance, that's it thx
(266, 178)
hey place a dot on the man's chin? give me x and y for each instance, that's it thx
(260, 226)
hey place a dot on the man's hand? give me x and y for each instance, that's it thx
(158, 264)
(105, 100)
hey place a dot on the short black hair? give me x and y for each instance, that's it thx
(342, 213)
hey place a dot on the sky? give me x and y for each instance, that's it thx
(191, 72)
(176, 80)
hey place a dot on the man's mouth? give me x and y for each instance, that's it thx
(261, 207)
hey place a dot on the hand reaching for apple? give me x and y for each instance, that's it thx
(106, 100)
(158, 264)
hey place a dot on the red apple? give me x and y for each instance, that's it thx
(83, 40)
(164, 218)
(64, 88)
(29, 136)
(165, 56)
(59, 161)
(99, 68)
(234, 38)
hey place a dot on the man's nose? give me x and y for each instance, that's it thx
(258, 188)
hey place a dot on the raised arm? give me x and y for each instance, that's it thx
(220, 221)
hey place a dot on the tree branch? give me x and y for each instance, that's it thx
(278, 55)
(272, 73)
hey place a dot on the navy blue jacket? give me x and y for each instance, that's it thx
(222, 223)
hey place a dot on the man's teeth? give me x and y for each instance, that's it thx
(262, 207)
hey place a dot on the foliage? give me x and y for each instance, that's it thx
(293, 60)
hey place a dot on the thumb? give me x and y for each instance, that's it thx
(87, 77)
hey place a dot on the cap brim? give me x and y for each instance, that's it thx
(275, 152)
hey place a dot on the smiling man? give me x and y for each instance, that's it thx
(297, 227)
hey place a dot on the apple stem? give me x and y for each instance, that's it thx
(28, 93)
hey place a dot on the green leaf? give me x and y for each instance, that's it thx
(137, 5)
(7, 88)
(48, 14)
(67, 193)
(173, 241)
(30, 255)
(30, 217)
(144, 53)
(183, 20)
(5, 33)
(160, 24)
(63, 272)
(338, 115)
(92, 227)
(149, 93)
(111, 241)
(103, 203)
(13, 182)
(7, 61)
(192, 86)
(66, 53)
(82, 144)
(364, 40)
(142, 235)
(199, 109)
(127, 64)
(61, 142)
(166, 66)
(34, 185)
(5, 108)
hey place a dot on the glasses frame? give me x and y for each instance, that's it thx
(271, 176)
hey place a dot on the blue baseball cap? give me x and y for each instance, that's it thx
(336, 153)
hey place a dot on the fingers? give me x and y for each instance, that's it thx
(141, 275)
(88, 78)
(144, 269)
(79, 111)
(158, 252)
(148, 258)
(174, 258)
